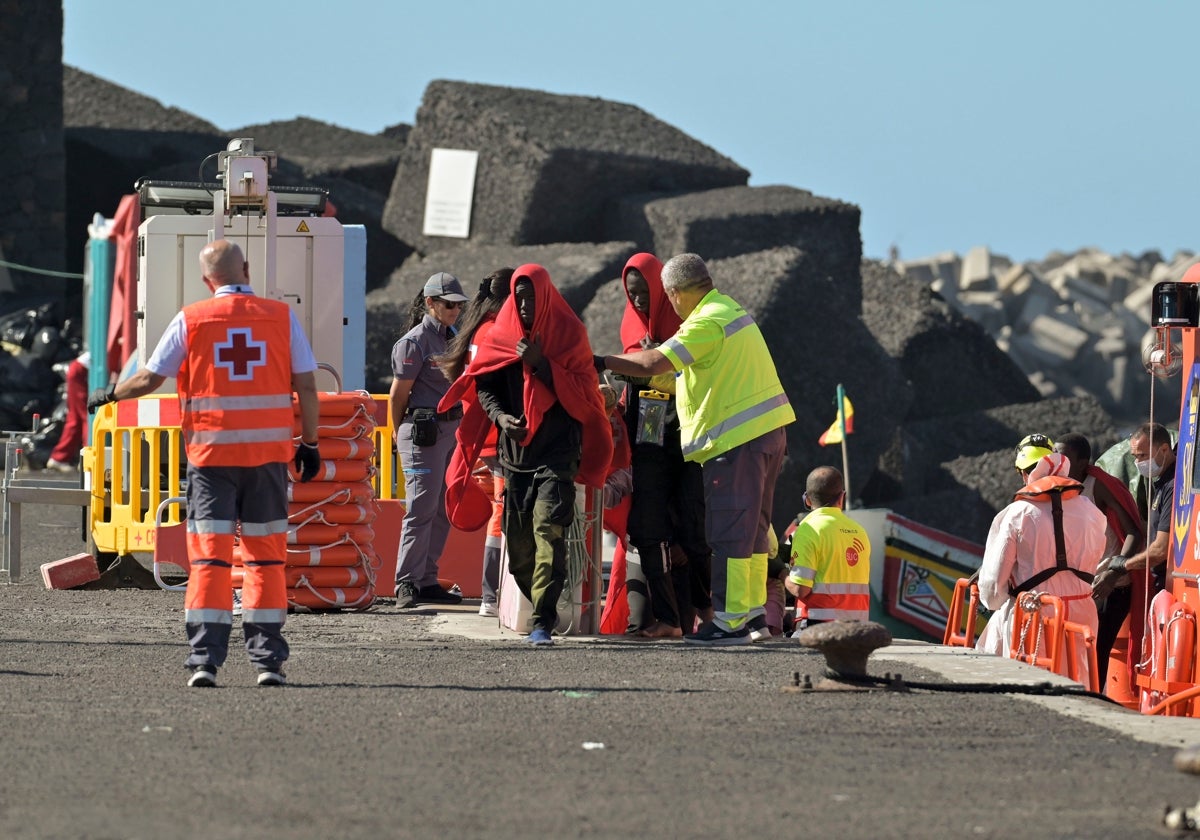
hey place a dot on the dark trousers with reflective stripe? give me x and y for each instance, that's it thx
(217, 499)
(739, 492)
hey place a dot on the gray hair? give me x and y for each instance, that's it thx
(222, 262)
(685, 271)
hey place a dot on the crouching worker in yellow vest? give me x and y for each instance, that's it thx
(237, 358)
(831, 556)
(732, 410)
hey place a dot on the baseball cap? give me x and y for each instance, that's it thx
(445, 285)
(1032, 449)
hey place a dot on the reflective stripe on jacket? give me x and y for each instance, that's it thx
(831, 553)
(731, 394)
(235, 384)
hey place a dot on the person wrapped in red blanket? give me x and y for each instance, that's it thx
(533, 377)
(666, 519)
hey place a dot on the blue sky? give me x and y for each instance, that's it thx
(1023, 126)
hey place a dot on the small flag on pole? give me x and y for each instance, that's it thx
(833, 434)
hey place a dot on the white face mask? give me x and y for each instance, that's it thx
(1149, 468)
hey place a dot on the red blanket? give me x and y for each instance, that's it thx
(1137, 596)
(662, 322)
(564, 343)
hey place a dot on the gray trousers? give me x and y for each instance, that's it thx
(425, 524)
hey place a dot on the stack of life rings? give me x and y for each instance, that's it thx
(331, 560)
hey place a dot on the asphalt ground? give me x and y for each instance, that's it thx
(438, 723)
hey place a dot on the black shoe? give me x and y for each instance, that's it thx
(759, 631)
(406, 595)
(270, 677)
(712, 635)
(435, 594)
(203, 676)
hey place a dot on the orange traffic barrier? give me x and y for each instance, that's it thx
(1037, 639)
(1076, 636)
(964, 615)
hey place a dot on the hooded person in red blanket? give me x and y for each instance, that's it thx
(533, 377)
(668, 492)
(1125, 535)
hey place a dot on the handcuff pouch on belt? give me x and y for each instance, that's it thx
(424, 426)
(652, 416)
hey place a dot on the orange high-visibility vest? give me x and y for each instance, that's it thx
(841, 587)
(235, 385)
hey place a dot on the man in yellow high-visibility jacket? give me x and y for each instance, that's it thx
(732, 410)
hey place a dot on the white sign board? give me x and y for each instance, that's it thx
(451, 192)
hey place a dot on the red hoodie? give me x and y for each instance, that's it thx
(565, 345)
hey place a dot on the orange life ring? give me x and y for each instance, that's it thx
(336, 576)
(346, 402)
(339, 449)
(1161, 607)
(340, 428)
(333, 514)
(340, 471)
(331, 492)
(337, 554)
(317, 534)
(332, 598)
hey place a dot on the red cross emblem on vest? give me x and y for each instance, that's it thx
(240, 354)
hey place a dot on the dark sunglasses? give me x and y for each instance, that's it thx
(449, 304)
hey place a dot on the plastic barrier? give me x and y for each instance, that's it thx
(134, 463)
(964, 615)
(1043, 636)
(1037, 638)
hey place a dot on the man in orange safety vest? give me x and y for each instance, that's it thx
(236, 358)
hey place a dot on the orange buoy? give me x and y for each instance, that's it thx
(332, 598)
(333, 514)
(332, 492)
(339, 471)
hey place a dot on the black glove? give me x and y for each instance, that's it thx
(598, 363)
(1116, 563)
(101, 396)
(308, 461)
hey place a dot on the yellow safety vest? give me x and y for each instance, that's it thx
(729, 392)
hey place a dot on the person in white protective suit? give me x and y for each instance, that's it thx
(1023, 552)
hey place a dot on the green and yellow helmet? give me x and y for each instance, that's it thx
(1032, 449)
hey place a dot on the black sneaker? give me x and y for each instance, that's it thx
(406, 595)
(436, 594)
(759, 631)
(270, 677)
(713, 636)
(203, 676)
